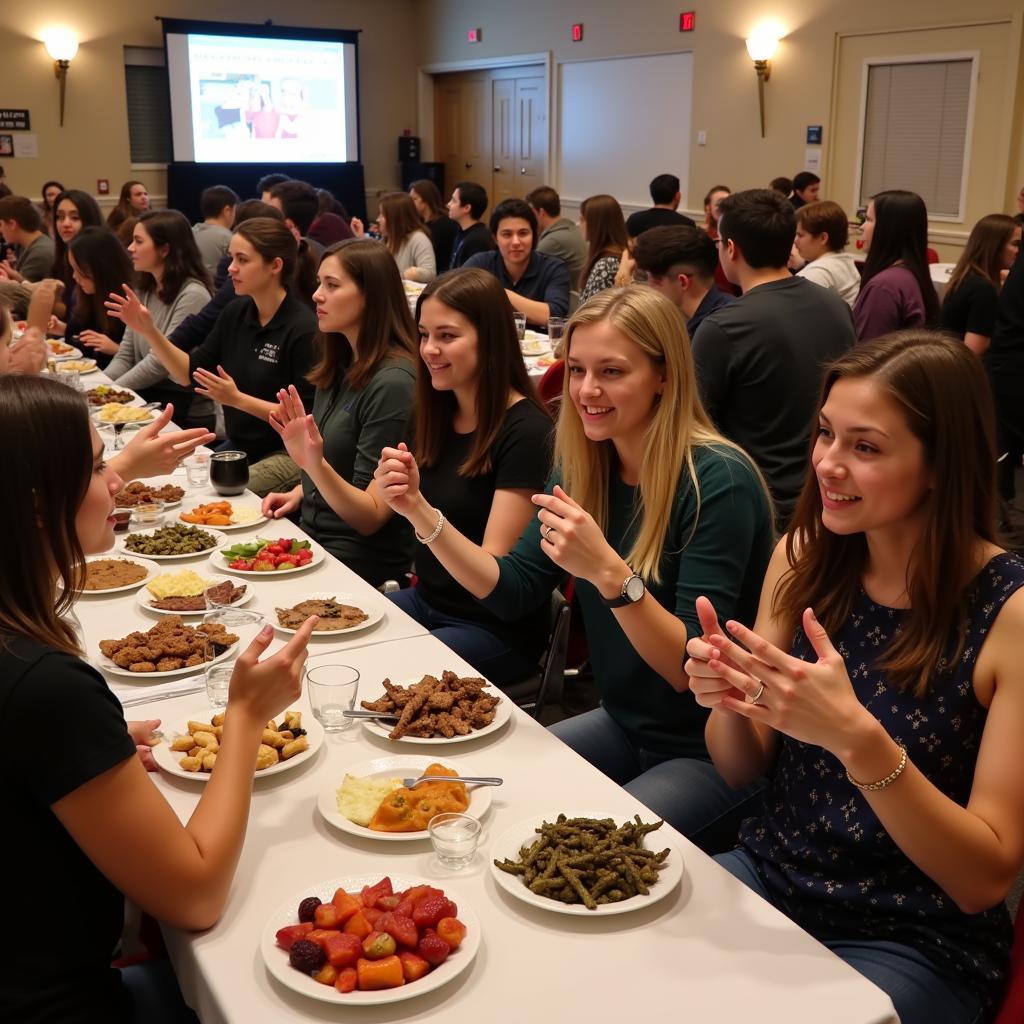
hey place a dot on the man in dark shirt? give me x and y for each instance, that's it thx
(666, 196)
(300, 204)
(1005, 364)
(536, 284)
(806, 186)
(466, 207)
(759, 359)
(680, 262)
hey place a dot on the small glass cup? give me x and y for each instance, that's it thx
(556, 328)
(69, 377)
(332, 691)
(520, 319)
(148, 515)
(455, 838)
(230, 616)
(197, 469)
(218, 682)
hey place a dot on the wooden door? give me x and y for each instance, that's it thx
(462, 127)
(505, 140)
(531, 106)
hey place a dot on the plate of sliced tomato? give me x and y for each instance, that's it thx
(277, 557)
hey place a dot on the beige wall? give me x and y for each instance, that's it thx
(800, 91)
(94, 140)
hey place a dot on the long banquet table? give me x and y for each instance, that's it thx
(712, 951)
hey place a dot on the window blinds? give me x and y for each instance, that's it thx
(149, 128)
(915, 131)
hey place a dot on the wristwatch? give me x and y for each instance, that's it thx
(633, 588)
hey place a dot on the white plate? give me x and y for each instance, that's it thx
(156, 482)
(220, 564)
(502, 713)
(537, 349)
(137, 401)
(75, 353)
(106, 665)
(375, 612)
(522, 834)
(218, 537)
(168, 759)
(276, 958)
(94, 412)
(151, 570)
(258, 521)
(82, 372)
(400, 766)
(144, 597)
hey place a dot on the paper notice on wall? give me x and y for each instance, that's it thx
(26, 145)
(812, 160)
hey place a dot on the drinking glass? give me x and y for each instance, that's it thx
(227, 614)
(218, 682)
(455, 838)
(229, 472)
(245, 625)
(197, 469)
(332, 691)
(520, 319)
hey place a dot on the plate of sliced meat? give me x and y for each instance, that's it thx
(223, 590)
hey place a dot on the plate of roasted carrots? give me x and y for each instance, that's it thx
(224, 515)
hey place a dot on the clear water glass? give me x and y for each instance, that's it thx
(332, 691)
(227, 614)
(520, 319)
(218, 682)
(197, 469)
(455, 838)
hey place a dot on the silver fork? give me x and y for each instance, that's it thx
(469, 780)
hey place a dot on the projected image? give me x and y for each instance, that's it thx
(267, 99)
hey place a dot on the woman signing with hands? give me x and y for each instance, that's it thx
(881, 688)
(643, 534)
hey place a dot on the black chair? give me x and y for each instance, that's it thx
(545, 686)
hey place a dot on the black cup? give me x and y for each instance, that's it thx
(229, 472)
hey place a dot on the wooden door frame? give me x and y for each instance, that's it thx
(425, 92)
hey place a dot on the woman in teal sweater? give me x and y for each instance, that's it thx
(661, 506)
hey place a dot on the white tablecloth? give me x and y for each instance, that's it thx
(940, 276)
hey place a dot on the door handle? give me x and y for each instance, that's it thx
(497, 168)
(468, 165)
(522, 170)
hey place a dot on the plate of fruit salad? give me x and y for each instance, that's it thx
(364, 940)
(270, 557)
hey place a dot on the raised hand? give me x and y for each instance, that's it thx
(151, 453)
(358, 228)
(398, 479)
(219, 386)
(129, 309)
(812, 702)
(296, 428)
(573, 541)
(706, 684)
(99, 342)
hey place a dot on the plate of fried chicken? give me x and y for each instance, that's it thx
(169, 649)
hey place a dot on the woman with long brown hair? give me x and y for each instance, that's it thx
(426, 197)
(365, 377)
(133, 201)
(91, 817)
(604, 228)
(100, 265)
(261, 342)
(971, 299)
(482, 447)
(881, 687)
(405, 236)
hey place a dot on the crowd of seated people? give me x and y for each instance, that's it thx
(778, 504)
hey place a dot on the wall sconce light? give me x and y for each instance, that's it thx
(761, 48)
(62, 45)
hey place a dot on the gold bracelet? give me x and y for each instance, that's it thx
(873, 787)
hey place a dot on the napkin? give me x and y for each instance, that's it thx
(135, 694)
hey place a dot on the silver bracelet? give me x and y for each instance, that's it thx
(874, 787)
(435, 534)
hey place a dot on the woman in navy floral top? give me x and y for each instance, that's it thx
(893, 824)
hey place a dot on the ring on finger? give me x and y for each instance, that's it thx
(546, 531)
(757, 696)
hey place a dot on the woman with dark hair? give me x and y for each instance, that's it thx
(132, 202)
(426, 197)
(49, 193)
(100, 266)
(536, 284)
(483, 448)
(971, 298)
(405, 236)
(92, 818)
(261, 342)
(365, 378)
(604, 228)
(73, 210)
(172, 282)
(896, 287)
(881, 689)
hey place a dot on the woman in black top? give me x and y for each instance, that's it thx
(365, 379)
(430, 206)
(100, 265)
(72, 212)
(261, 342)
(972, 295)
(483, 448)
(90, 824)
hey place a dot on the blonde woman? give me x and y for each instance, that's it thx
(647, 504)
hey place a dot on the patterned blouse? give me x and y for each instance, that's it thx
(601, 276)
(827, 861)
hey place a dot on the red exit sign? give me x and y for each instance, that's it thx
(474, 35)
(687, 21)
(577, 32)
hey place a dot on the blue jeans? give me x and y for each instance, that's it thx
(686, 791)
(920, 990)
(156, 998)
(491, 656)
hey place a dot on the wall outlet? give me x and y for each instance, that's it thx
(702, 138)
